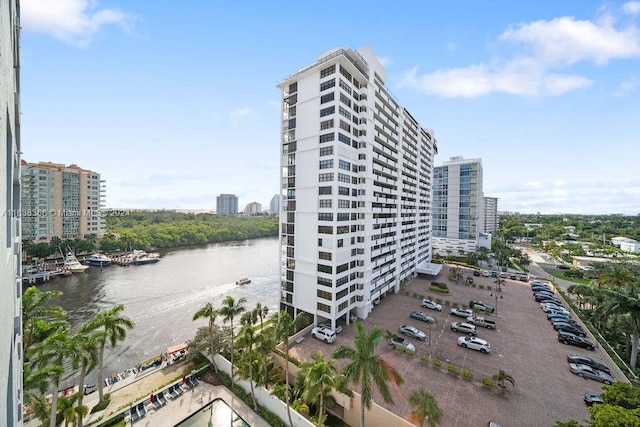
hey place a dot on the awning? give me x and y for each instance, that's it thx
(177, 348)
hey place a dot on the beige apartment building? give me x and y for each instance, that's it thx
(61, 201)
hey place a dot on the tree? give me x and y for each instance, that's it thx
(246, 340)
(499, 283)
(501, 377)
(36, 308)
(109, 327)
(261, 311)
(285, 326)
(455, 274)
(85, 357)
(626, 301)
(425, 407)
(622, 394)
(230, 309)
(320, 376)
(265, 342)
(367, 367)
(211, 314)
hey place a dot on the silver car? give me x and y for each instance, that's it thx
(432, 305)
(412, 332)
(585, 371)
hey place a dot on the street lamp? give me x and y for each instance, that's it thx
(495, 295)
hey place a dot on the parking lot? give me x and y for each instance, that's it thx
(524, 345)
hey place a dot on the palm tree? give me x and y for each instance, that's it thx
(614, 276)
(246, 340)
(367, 367)
(501, 377)
(84, 357)
(230, 309)
(285, 326)
(455, 274)
(35, 380)
(262, 311)
(265, 342)
(499, 283)
(320, 376)
(35, 309)
(69, 412)
(626, 301)
(211, 315)
(108, 326)
(425, 407)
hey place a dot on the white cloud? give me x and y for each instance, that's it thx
(626, 87)
(631, 8)
(541, 50)
(72, 21)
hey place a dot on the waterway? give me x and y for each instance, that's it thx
(162, 298)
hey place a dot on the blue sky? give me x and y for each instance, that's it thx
(175, 105)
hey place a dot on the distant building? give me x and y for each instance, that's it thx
(356, 169)
(490, 215)
(619, 241)
(274, 206)
(253, 208)
(457, 206)
(61, 201)
(11, 389)
(227, 204)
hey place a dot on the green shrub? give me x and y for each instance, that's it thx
(410, 352)
(480, 286)
(102, 404)
(486, 381)
(447, 302)
(437, 362)
(425, 358)
(473, 285)
(438, 289)
(271, 418)
(453, 369)
(467, 374)
(439, 300)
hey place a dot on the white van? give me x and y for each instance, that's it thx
(323, 334)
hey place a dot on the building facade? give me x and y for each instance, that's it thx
(457, 206)
(227, 204)
(253, 208)
(274, 206)
(61, 201)
(490, 215)
(356, 188)
(11, 389)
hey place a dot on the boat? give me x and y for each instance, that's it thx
(142, 257)
(72, 264)
(98, 260)
(243, 281)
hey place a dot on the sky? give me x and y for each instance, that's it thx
(176, 105)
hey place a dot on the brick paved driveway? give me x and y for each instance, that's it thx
(524, 345)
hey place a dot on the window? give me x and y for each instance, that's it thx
(327, 137)
(344, 112)
(343, 191)
(343, 178)
(340, 243)
(342, 268)
(325, 177)
(327, 98)
(326, 151)
(326, 164)
(345, 126)
(343, 203)
(343, 164)
(343, 217)
(325, 269)
(325, 216)
(327, 71)
(345, 73)
(325, 203)
(326, 124)
(344, 138)
(344, 99)
(324, 190)
(345, 86)
(328, 84)
(324, 255)
(324, 294)
(325, 282)
(327, 111)
(293, 87)
(324, 307)
(325, 229)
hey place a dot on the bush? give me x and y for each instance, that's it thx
(447, 302)
(117, 419)
(467, 374)
(487, 382)
(453, 369)
(439, 287)
(271, 418)
(102, 404)
(425, 358)
(439, 300)
(437, 362)
(480, 286)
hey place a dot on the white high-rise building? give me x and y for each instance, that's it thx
(227, 204)
(356, 171)
(274, 205)
(457, 206)
(11, 389)
(490, 215)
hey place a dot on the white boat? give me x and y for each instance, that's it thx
(142, 257)
(72, 264)
(243, 281)
(98, 260)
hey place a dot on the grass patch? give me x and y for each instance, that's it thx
(576, 280)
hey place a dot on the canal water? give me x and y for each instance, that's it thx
(162, 298)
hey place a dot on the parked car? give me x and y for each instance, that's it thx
(474, 344)
(89, 388)
(558, 315)
(323, 334)
(592, 399)
(523, 278)
(536, 288)
(494, 274)
(546, 293)
(461, 312)
(481, 321)
(548, 306)
(401, 343)
(412, 332)
(572, 339)
(466, 328)
(469, 280)
(568, 327)
(563, 267)
(419, 315)
(502, 275)
(585, 371)
(486, 273)
(427, 303)
(483, 306)
(327, 325)
(584, 360)
(476, 273)
(513, 276)
(546, 298)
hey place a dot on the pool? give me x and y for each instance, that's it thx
(216, 413)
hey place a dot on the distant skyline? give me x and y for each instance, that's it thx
(176, 105)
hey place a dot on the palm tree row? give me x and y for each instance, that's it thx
(49, 343)
(253, 349)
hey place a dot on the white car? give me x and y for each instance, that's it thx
(474, 344)
(427, 303)
(323, 334)
(486, 273)
(461, 312)
(466, 328)
(553, 307)
(327, 325)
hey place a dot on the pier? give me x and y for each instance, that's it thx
(32, 278)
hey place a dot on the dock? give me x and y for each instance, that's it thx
(31, 278)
